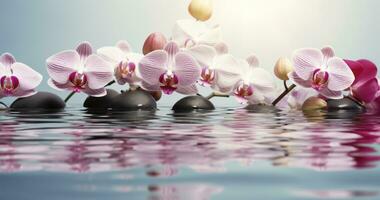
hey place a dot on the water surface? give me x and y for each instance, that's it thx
(224, 154)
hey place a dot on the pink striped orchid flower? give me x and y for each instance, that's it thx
(243, 79)
(80, 71)
(124, 63)
(169, 70)
(17, 79)
(322, 71)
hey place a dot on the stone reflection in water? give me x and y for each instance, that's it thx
(163, 144)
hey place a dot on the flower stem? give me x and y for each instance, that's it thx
(73, 92)
(217, 94)
(356, 101)
(3, 104)
(286, 86)
(275, 102)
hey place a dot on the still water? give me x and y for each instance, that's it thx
(224, 154)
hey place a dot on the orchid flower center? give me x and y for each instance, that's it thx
(319, 79)
(9, 84)
(189, 43)
(243, 92)
(168, 83)
(78, 80)
(207, 76)
(126, 69)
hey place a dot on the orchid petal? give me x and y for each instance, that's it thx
(7, 59)
(341, 76)
(256, 98)
(306, 61)
(3, 70)
(101, 92)
(111, 54)
(84, 50)
(357, 69)
(227, 73)
(298, 96)
(172, 49)
(61, 65)
(28, 78)
(57, 86)
(262, 79)
(153, 65)
(366, 92)
(148, 87)
(253, 61)
(221, 48)
(98, 72)
(211, 36)
(124, 46)
(187, 90)
(186, 69)
(187, 29)
(328, 52)
(203, 54)
(369, 71)
(24, 93)
(330, 94)
(298, 80)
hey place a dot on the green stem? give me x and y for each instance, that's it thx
(275, 102)
(72, 93)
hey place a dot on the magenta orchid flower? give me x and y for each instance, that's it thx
(169, 70)
(366, 84)
(79, 71)
(188, 33)
(124, 63)
(244, 79)
(212, 61)
(17, 79)
(322, 71)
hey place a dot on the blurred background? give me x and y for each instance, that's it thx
(34, 30)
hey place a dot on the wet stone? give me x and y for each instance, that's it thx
(261, 108)
(39, 102)
(343, 104)
(100, 103)
(193, 103)
(133, 101)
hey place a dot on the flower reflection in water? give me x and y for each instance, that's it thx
(169, 147)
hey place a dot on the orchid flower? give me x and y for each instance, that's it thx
(212, 61)
(366, 83)
(322, 71)
(124, 62)
(79, 71)
(17, 79)
(245, 80)
(169, 70)
(188, 33)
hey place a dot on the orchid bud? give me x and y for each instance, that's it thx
(282, 68)
(201, 9)
(155, 41)
(314, 103)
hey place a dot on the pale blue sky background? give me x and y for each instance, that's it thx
(35, 29)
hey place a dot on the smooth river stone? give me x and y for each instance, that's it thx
(133, 101)
(39, 102)
(343, 104)
(192, 103)
(100, 102)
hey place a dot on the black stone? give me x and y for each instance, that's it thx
(100, 103)
(261, 108)
(39, 102)
(133, 101)
(343, 104)
(193, 103)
